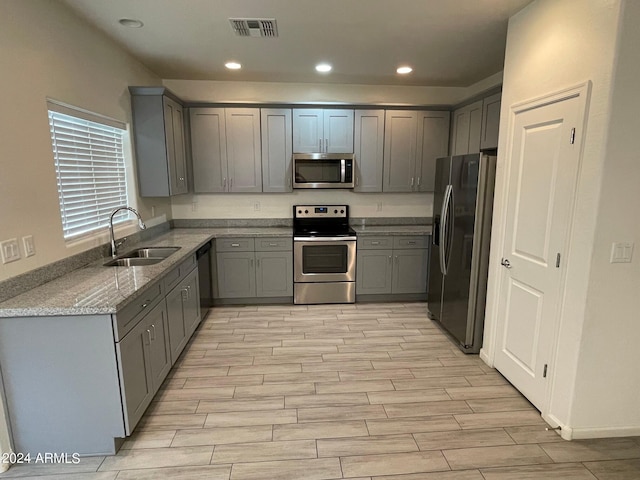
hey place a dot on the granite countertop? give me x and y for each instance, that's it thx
(97, 290)
(393, 229)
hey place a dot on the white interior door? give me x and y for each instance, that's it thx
(543, 156)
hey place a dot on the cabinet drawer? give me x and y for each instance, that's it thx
(175, 275)
(127, 317)
(274, 244)
(414, 241)
(375, 243)
(235, 245)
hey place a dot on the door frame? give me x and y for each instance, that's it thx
(582, 91)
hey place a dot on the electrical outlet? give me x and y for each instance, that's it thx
(29, 246)
(10, 250)
(621, 252)
(256, 206)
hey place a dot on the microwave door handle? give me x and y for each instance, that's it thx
(343, 170)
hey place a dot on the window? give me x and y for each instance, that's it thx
(90, 167)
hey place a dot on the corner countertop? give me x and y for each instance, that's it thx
(381, 230)
(99, 290)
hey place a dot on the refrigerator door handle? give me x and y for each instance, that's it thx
(443, 228)
(450, 230)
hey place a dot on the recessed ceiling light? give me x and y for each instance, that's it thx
(323, 67)
(130, 22)
(404, 70)
(233, 65)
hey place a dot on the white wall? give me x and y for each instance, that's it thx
(607, 393)
(552, 45)
(46, 51)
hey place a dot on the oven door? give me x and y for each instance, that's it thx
(322, 259)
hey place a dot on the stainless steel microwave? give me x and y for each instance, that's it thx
(323, 170)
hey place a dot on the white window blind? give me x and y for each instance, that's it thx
(90, 168)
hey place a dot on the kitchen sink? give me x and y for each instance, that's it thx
(142, 256)
(151, 252)
(133, 262)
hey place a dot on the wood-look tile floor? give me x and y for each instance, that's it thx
(367, 391)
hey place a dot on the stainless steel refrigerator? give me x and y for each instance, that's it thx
(462, 208)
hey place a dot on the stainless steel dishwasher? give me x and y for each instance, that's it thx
(203, 256)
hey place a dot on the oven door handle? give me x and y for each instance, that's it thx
(324, 239)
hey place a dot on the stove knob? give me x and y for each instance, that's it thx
(335, 211)
(341, 211)
(306, 211)
(299, 211)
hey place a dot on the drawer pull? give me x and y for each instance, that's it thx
(153, 332)
(375, 243)
(273, 244)
(412, 242)
(144, 305)
(235, 244)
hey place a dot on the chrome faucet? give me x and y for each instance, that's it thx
(114, 245)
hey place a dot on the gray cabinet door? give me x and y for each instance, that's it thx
(308, 136)
(399, 150)
(178, 337)
(369, 150)
(277, 147)
(176, 156)
(191, 303)
(373, 271)
(410, 270)
(433, 143)
(209, 150)
(236, 274)
(490, 121)
(338, 131)
(244, 157)
(274, 274)
(467, 126)
(135, 374)
(158, 347)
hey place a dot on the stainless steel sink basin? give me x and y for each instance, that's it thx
(147, 252)
(133, 262)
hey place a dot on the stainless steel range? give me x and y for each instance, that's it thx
(324, 255)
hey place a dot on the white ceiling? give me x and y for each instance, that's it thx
(447, 42)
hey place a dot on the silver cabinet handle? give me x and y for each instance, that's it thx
(412, 181)
(224, 183)
(258, 262)
(144, 305)
(230, 183)
(411, 242)
(235, 244)
(185, 294)
(149, 336)
(396, 259)
(153, 332)
(419, 181)
(289, 182)
(357, 181)
(506, 263)
(273, 244)
(389, 259)
(320, 144)
(326, 144)
(375, 243)
(251, 262)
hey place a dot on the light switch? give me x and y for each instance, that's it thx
(621, 252)
(29, 246)
(10, 250)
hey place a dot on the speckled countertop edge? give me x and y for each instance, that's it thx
(98, 290)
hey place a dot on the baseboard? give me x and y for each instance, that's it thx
(485, 358)
(584, 433)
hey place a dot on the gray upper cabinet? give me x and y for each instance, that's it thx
(244, 157)
(158, 132)
(369, 150)
(208, 150)
(466, 130)
(399, 150)
(490, 121)
(277, 148)
(317, 130)
(433, 143)
(226, 150)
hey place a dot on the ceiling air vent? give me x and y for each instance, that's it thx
(254, 27)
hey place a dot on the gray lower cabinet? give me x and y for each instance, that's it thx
(144, 361)
(392, 265)
(183, 312)
(254, 268)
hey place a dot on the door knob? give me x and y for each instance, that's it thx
(505, 263)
